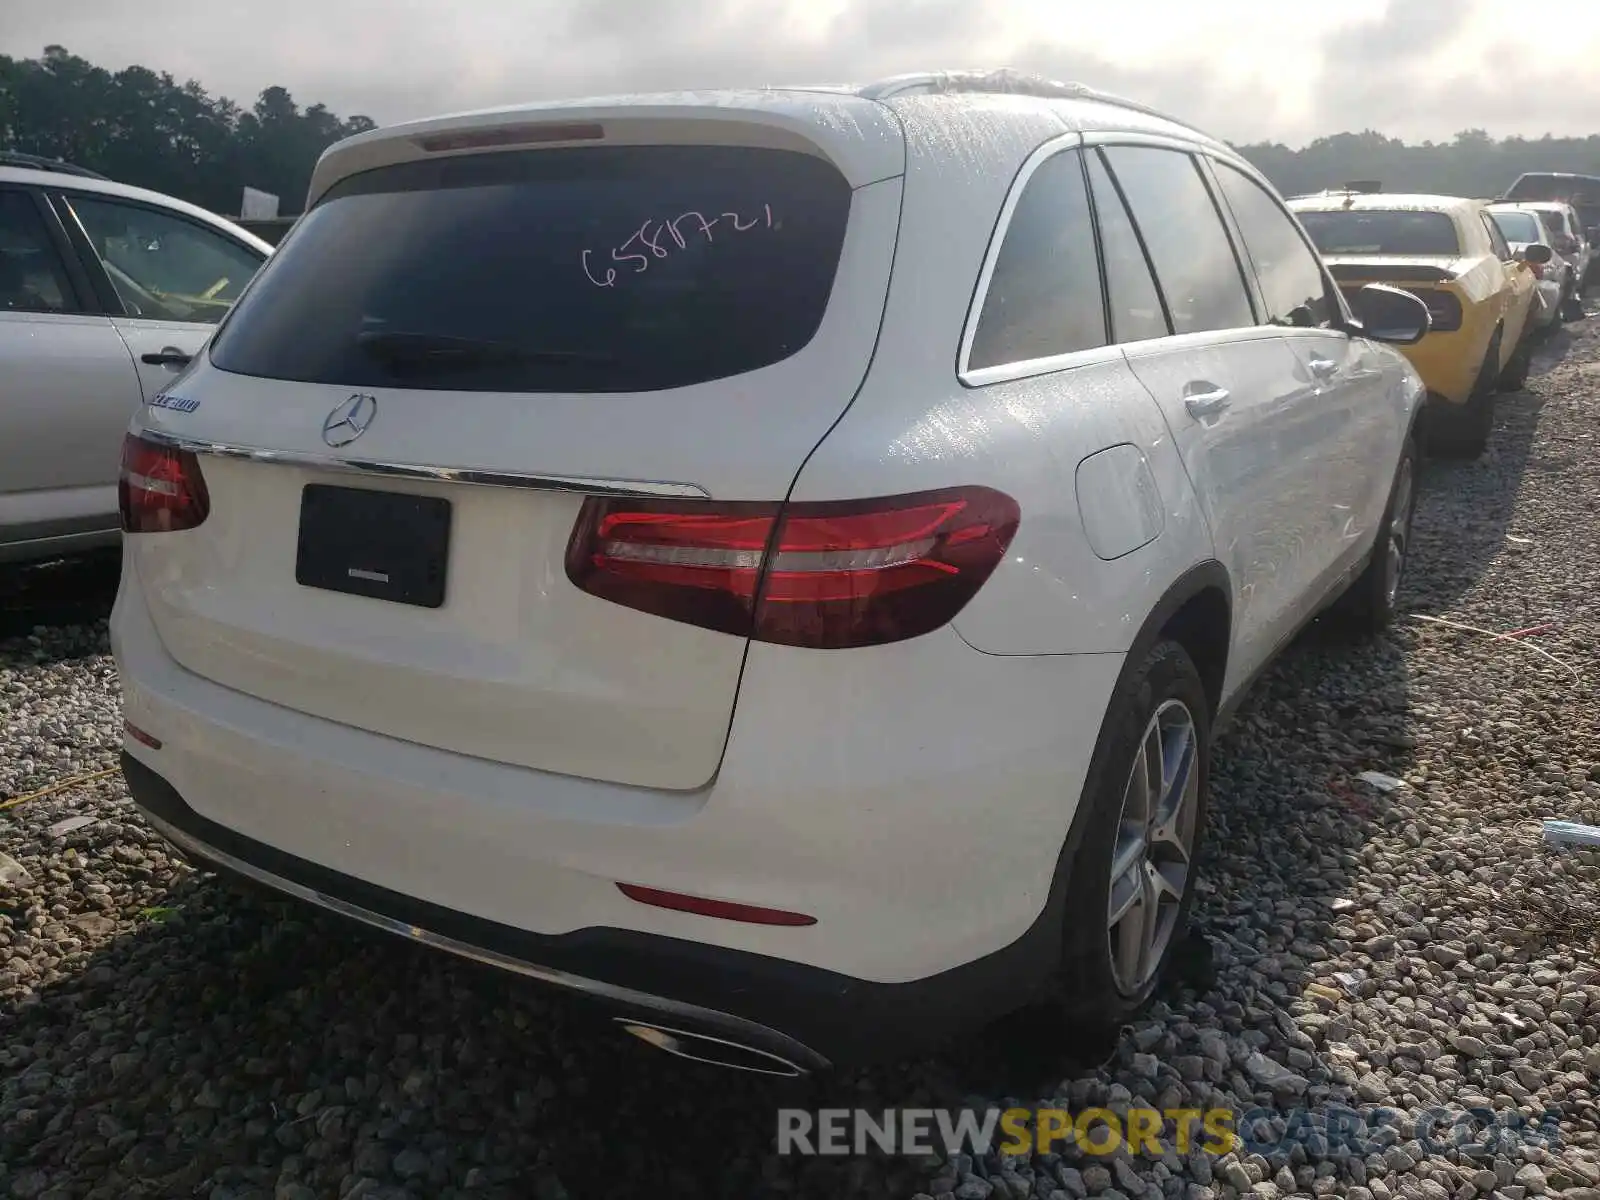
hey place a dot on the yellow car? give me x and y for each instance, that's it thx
(1449, 252)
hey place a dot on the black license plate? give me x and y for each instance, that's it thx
(385, 545)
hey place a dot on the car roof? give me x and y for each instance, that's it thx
(852, 123)
(1554, 175)
(61, 181)
(1455, 206)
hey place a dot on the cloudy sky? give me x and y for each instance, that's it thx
(1244, 69)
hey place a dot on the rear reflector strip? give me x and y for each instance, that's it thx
(139, 735)
(725, 909)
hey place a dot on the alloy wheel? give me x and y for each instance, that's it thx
(1153, 850)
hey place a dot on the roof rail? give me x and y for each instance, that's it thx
(1006, 80)
(36, 162)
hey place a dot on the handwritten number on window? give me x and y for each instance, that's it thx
(648, 241)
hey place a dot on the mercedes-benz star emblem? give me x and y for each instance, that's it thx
(350, 420)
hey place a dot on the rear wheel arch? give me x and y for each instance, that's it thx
(1194, 611)
(1197, 613)
(1185, 637)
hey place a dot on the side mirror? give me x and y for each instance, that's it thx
(1388, 314)
(1536, 253)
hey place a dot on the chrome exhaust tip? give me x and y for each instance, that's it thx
(718, 1052)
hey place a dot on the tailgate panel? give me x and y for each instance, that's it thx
(518, 666)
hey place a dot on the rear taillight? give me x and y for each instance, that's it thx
(161, 489)
(822, 575)
(1443, 307)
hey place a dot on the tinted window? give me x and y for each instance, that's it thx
(1554, 220)
(1497, 241)
(1292, 284)
(32, 278)
(1193, 258)
(1552, 225)
(1382, 231)
(1517, 226)
(1576, 190)
(1044, 295)
(164, 267)
(1136, 311)
(602, 269)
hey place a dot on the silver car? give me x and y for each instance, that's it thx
(106, 292)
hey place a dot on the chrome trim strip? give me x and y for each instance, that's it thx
(749, 1032)
(364, 466)
(668, 1040)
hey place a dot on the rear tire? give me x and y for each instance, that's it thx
(1462, 432)
(1146, 819)
(1514, 376)
(1572, 302)
(1368, 606)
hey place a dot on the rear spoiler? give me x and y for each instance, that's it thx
(1392, 272)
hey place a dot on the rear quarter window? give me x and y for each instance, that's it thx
(1044, 295)
(593, 269)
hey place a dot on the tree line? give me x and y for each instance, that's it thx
(146, 128)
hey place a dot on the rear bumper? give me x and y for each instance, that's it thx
(805, 1016)
(1448, 363)
(922, 829)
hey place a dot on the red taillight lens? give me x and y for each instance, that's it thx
(161, 490)
(822, 575)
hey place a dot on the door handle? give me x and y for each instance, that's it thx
(169, 356)
(1208, 402)
(1323, 368)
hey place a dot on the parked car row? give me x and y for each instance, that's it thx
(1487, 272)
(772, 562)
(1576, 196)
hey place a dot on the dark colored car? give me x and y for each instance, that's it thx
(1580, 191)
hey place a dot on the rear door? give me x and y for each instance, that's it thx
(1353, 428)
(173, 277)
(1520, 287)
(67, 386)
(680, 309)
(1231, 390)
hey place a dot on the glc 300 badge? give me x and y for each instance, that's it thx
(174, 403)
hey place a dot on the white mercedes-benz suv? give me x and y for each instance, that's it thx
(772, 561)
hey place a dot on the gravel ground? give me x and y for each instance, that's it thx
(162, 1037)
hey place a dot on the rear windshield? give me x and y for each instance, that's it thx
(1382, 231)
(1518, 226)
(594, 269)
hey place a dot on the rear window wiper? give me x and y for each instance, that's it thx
(403, 348)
